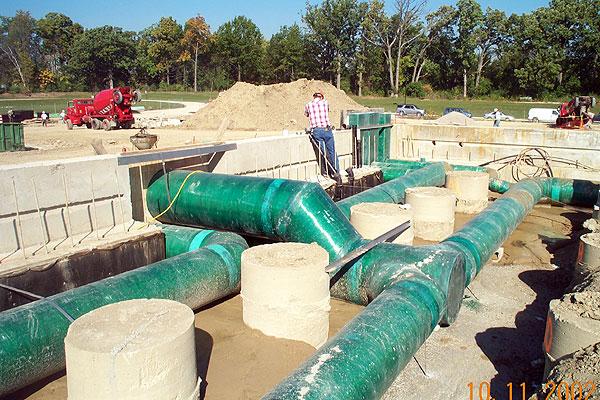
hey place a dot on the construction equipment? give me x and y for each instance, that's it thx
(110, 108)
(575, 113)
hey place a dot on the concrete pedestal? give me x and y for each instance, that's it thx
(374, 219)
(133, 350)
(470, 189)
(433, 212)
(285, 291)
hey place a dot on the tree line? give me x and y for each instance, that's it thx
(364, 47)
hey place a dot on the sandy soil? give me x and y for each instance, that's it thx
(234, 361)
(56, 141)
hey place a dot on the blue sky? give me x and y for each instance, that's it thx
(135, 15)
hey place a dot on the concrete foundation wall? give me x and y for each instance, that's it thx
(475, 145)
(68, 203)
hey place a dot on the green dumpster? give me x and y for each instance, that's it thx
(11, 137)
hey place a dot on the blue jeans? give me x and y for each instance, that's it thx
(326, 143)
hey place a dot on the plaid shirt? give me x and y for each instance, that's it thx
(317, 112)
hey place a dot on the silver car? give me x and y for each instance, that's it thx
(409, 109)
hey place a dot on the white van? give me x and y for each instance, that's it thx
(542, 114)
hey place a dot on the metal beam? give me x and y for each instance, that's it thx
(164, 155)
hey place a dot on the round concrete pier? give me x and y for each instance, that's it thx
(374, 219)
(433, 212)
(136, 349)
(285, 291)
(470, 189)
(589, 250)
(573, 323)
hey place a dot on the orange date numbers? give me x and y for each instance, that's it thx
(552, 391)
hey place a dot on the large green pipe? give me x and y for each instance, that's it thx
(569, 191)
(371, 274)
(364, 358)
(285, 210)
(392, 169)
(393, 191)
(482, 235)
(183, 239)
(31, 336)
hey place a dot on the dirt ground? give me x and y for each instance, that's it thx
(234, 361)
(497, 338)
(56, 141)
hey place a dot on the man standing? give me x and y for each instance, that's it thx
(497, 117)
(44, 118)
(317, 112)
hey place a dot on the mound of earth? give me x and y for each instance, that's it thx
(269, 107)
(454, 118)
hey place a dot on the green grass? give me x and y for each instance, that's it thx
(436, 107)
(58, 101)
(181, 96)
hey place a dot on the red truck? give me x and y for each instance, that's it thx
(575, 114)
(110, 108)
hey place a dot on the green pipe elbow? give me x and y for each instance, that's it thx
(384, 265)
(280, 209)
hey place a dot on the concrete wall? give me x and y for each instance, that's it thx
(88, 209)
(475, 145)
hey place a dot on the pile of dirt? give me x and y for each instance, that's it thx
(582, 366)
(269, 107)
(454, 118)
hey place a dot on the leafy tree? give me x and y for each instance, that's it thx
(165, 45)
(286, 54)
(57, 32)
(239, 44)
(102, 55)
(469, 18)
(20, 45)
(438, 24)
(196, 38)
(394, 34)
(488, 37)
(334, 28)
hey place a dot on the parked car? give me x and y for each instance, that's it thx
(448, 110)
(503, 117)
(409, 109)
(542, 115)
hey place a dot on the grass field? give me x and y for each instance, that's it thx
(58, 102)
(476, 107)
(152, 100)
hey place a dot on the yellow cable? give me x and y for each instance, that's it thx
(154, 219)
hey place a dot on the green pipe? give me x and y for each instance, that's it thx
(482, 235)
(392, 169)
(31, 336)
(381, 267)
(285, 210)
(568, 191)
(299, 212)
(365, 357)
(183, 239)
(393, 191)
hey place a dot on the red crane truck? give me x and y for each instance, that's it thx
(110, 108)
(575, 114)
